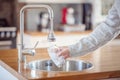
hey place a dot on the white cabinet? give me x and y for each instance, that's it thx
(7, 73)
(3, 73)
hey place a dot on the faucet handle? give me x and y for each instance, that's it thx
(30, 51)
(36, 44)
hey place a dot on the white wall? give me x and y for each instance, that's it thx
(32, 19)
(96, 12)
(98, 17)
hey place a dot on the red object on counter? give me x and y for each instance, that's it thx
(64, 13)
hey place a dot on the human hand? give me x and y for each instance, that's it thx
(64, 52)
(56, 55)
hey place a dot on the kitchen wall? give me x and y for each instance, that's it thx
(13, 20)
(33, 15)
(100, 10)
(9, 10)
(97, 11)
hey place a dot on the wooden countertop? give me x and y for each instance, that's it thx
(106, 61)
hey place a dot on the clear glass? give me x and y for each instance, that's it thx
(53, 51)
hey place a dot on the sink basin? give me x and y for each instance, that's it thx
(70, 65)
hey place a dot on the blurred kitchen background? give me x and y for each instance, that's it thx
(69, 16)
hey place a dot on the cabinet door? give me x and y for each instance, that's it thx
(11, 73)
(6, 13)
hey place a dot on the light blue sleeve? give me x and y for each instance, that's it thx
(103, 33)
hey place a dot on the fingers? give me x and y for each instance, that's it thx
(66, 56)
(60, 51)
(64, 53)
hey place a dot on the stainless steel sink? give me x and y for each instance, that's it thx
(70, 65)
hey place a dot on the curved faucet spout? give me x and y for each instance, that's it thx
(51, 36)
(50, 11)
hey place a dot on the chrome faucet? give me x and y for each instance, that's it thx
(51, 37)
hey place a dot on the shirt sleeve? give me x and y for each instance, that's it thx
(103, 33)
